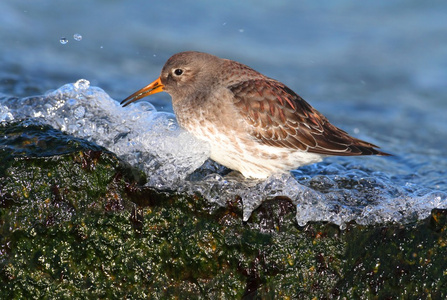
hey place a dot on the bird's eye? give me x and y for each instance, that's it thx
(178, 72)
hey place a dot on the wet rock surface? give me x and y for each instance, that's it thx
(366, 191)
(77, 222)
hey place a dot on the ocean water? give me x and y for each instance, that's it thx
(377, 70)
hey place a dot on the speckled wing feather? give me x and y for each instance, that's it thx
(279, 117)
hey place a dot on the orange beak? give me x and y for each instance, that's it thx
(153, 88)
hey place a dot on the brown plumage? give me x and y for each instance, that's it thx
(254, 124)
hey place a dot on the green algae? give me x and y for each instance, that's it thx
(78, 224)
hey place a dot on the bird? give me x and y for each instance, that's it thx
(254, 124)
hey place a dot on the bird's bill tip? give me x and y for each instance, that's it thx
(153, 88)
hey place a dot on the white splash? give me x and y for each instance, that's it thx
(153, 142)
(139, 134)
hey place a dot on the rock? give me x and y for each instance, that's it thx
(77, 222)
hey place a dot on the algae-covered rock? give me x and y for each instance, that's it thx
(75, 222)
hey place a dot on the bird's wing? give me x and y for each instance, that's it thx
(278, 117)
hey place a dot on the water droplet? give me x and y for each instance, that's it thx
(79, 112)
(63, 40)
(71, 102)
(77, 37)
(172, 125)
(82, 84)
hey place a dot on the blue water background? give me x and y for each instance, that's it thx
(376, 69)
